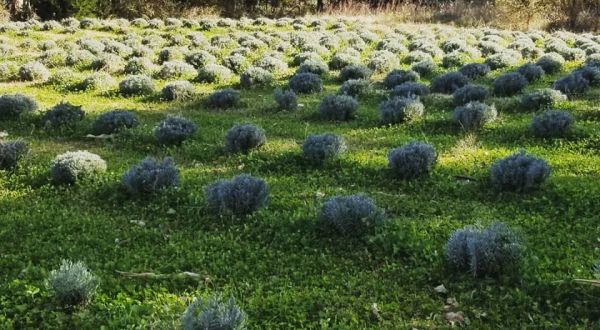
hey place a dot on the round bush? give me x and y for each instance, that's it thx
(224, 99)
(541, 99)
(176, 69)
(383, 61)
(200, 59)
(448, 83)
(474, 115)
(552, 124)
(509, 84)
(469, 93)
(410, 89)
(551, 62)
(355, 71)
(63, 114)
(503, 59)
(69, 167)
(212, 314)
(8, 71)
(424, 68)
(13, 105)
(400, 109)
(242, 138)
(98, 81)
(34, 71)
(72, 284)
(178, 90)
(519, 172)
(271, 64)
(572, 85)
(531, 72)
(306, 83)
(214, 73)
(236, 62)
(174, 130)
(136, 85)
(591, 74)
(412, 160)
(151, 176)
(338, 107)
(286, 100)
(255, 76)
(240, 196)
(397, 77)
(11, 152)
(139, 65)
(355, 87)
(114, 121)
(314, 66)
(353, 215)
(343, 59)
(317, 148)
(490, 252)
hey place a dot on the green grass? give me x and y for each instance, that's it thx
(284, 273)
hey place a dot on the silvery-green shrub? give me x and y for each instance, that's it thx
(224, 99)
(213, 314)
(214, 73)
(469, 93)
(355, 87)
(70, 167)
(509, 84)
(400, 109)
(11, 152)
(178, 90)
(286, 100)
(397, 77)
(136, 85)
(255, 76)
(72, 284)
(355, 71)
(448, 83)
(305, 83)
(34, 71)
(410, 89)
(474, 70)
(551, 62)
(541, 99)
(63, 114)
(531, 72)
(474, 115)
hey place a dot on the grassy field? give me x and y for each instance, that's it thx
(284, 272)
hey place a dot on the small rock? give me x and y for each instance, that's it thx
(454, 318)
(171, 211)
(138, 222)
(440, 289)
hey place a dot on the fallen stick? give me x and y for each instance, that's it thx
(590, 282)
(160, 276)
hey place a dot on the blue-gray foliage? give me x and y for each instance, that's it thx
(551, 62)
(243, 138)
(63, 114)
(224, 99)
(306, 83)
(448, 83)
(242, 195)
(519, 172)
(410, 89)
(318, 148)
(13, 105)
(400, 109)
(72, 284)
(590, 73)
(474, 115)
(174, 130)
(475, 70)
(552, 124)
(338, 107)
(355, 71)
(11, 152)
(412, 160)
(531, 72)
(314, 66)
(469, 93)
(113, 121)
(213, 314)
(353, 215)
(286, 100)
(572, 85)
(151, 176)
(397, 77)
(509, 84)
(493, 251)
(541, 99)
(355, 87)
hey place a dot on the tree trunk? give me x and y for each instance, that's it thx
(320, 6)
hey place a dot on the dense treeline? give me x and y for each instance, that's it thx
(571, 14)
